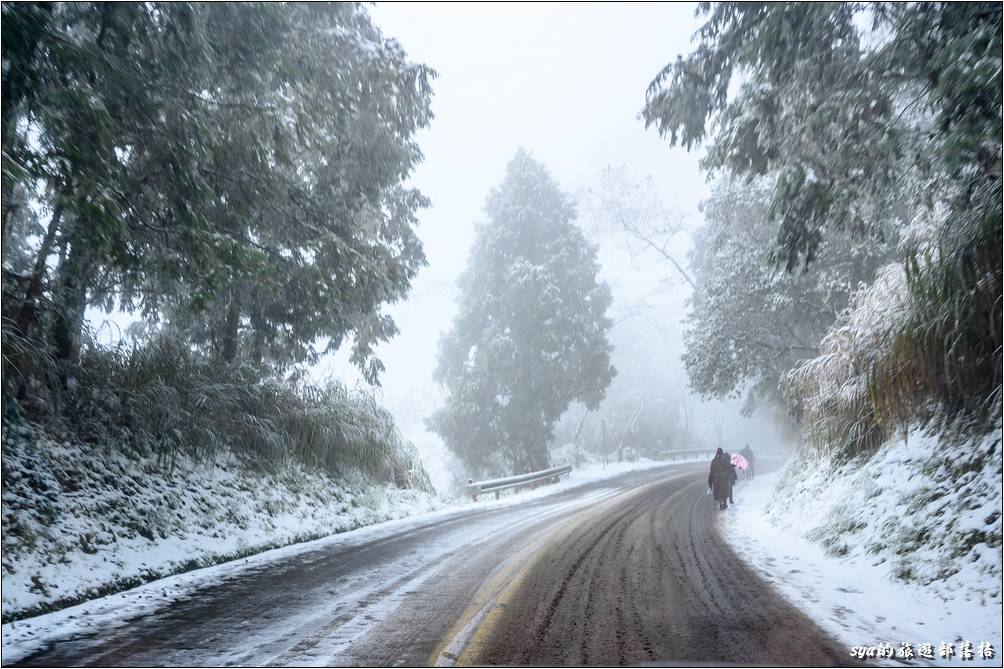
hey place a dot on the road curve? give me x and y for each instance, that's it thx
(645, 578)
(629, 570)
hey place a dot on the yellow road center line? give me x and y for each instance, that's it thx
(483, 627)
(462, 645)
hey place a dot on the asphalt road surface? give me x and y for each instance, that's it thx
(626, 571)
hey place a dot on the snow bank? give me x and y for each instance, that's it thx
(23, 638)
(82, 521)
(904, 547)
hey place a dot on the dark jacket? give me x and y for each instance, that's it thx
(720, 478)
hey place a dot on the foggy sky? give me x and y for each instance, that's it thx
(564, 81)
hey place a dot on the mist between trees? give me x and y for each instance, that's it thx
(846, 277)
(236, 176)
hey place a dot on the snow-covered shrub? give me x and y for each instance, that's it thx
(573, 454)
(163, 399)
(920, 345)
(927, 510)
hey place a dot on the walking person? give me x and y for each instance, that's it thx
(734, 476)
(720, 478)
(747, 453)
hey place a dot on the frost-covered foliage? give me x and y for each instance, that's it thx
(843, 118)
(749, 322)
(861, 131)
(232, 172)
(833, 394)
(80, 521)
(920, 345)
(164, 400)
(530, 335)
(930, 512)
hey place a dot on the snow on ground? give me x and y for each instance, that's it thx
(80, 522)
(25, 637)
(903, 548)
(587, 473)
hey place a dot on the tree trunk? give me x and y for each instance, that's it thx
(26, 317)
(75, 276)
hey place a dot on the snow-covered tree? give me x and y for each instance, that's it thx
(236, 170)
(530, 336)
(861, 115)
(749, 322)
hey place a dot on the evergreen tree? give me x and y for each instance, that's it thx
(749, 323)
(867, 117)
(851, 124)
(234, 169)
(530, 336)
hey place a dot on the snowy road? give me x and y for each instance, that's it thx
(622, 571)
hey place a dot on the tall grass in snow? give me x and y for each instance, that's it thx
(922, 344)
(162, 398)
(832, 393)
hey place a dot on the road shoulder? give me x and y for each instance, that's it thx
(854, 600)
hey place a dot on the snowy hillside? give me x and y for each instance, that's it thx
(81, 521)
(905, 546)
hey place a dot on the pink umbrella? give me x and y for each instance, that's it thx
(739, 461)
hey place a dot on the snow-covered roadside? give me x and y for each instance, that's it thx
(80, 521)
(587, 473)
(851, 581)
(22, 638)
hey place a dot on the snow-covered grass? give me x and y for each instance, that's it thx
(902, 547)
(81, 521)
(24, 637)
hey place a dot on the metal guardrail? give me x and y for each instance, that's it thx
(475, 488)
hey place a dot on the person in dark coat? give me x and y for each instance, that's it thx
(735, 476)
(720, 478)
